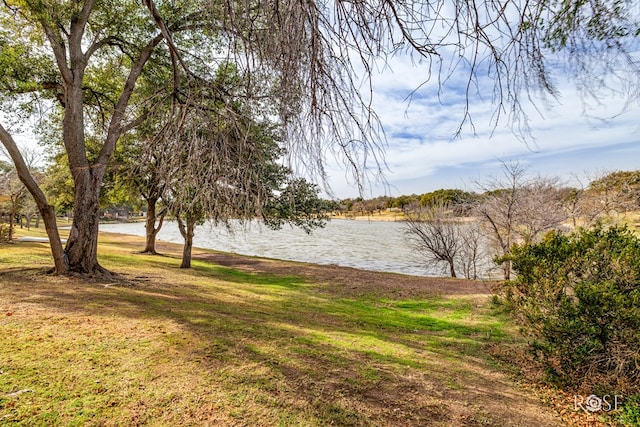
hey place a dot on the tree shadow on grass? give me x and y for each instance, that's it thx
(344, 361)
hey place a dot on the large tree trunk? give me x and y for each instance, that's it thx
(82, 245)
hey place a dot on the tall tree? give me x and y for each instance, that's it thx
(79, 36)
(226, 167)
(151, 171)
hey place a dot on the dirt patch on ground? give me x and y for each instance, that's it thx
(348, 281)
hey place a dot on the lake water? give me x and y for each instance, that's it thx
(367, 245)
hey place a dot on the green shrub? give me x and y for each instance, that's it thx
(579, 298)
(630, 413)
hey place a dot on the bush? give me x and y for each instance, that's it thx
(630, 414)
(579, 298)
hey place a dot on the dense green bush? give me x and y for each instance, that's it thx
(630, 414)
(578, 296)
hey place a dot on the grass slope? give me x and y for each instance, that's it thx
(223, 346)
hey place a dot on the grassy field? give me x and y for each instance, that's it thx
(225, 346)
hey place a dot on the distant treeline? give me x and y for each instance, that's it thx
(448, 196)
(618, 190)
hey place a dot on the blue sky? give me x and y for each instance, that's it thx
(572, 136)
(423, 155)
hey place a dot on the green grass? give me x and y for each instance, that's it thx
(219, 346)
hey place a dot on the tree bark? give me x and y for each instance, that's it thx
(506, 268)
(45, 209)
(82, 245)
(12, 218)
(150, 226)
(452, 269)
(187, 231)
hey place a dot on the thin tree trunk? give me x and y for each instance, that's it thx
(187, 231)
(150, 226)
(506, 265)
(45, 209)
(186, 250)
(11, 225)
(452, 269)
(150, 242)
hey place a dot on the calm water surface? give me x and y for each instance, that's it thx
(368, 245)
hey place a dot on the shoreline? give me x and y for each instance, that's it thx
(372, 218)
(343, 280)
(368, 245)
(362, 259)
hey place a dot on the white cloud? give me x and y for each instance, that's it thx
(423, 155)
